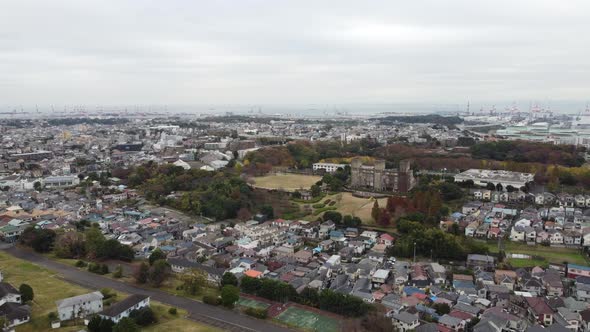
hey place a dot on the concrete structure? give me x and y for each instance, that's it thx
(378, 178)
(123, 309)
(328, 167)
(61, 181)
(79, 306)
(482, 177)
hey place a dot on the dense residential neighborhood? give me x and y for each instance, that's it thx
(186, 209)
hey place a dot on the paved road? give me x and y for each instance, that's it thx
(215, 316)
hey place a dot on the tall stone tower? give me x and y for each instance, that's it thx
(355, 173)
(406, 179)
(378, 175)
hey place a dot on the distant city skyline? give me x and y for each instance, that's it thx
(425, 56)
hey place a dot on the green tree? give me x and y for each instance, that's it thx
(334, 216)
(229, 279)
(37, 186)
(193, 281)
(157, 254)
(106, 325)
(93, 238)
(94, 323)
(144, 316)
(118, 273)
(250, 285)
(268, 211)
(41, 240)
(26, 293)
(126, 325)
(316, 190)
(229, 295)
(158, 272)
(141, 273)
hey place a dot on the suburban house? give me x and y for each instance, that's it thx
(11, 307)
(8, 294)
(404, 321)
(15, 314)
(123, 309)
(539, 310)
(79, 306)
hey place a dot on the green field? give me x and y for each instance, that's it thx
(251, 303)
(308, 320)
(550, 254)
(523, 262)
(48, 287)
(287, 182)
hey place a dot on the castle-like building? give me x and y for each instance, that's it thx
(378, 178)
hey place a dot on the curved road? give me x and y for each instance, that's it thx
(198, 311)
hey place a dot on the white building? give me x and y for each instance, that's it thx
(8, 294)
(328, 167)
(482, 177)
(61, 181)
(122, 309)
(79, 306)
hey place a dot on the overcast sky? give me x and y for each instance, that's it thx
(293, 52)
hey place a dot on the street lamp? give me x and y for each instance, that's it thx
(414, 252)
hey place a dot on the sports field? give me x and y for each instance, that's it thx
(308, 320)
(251, 303)
(288, 182)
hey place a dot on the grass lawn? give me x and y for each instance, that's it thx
(171, 285)
(346, 204)
(550, 254)
(288, 182)
(308, 320)
(522, 262)
(251, 303)
(168, 322)
(48, 287)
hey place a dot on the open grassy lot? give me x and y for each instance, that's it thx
(288, 182)
(550, 254)
(308, 320)
(49, 287)
(522, 262)
(355, 206)
(167, 322)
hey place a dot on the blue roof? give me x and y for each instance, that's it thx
(412, 290)
(336, 234)
(580, 267)
(167, 248)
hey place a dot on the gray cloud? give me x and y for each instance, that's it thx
(293, 52)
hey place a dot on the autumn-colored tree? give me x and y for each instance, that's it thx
(384, 218)
(244, 214)
(434, 204)
(390, 204)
